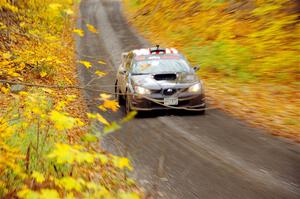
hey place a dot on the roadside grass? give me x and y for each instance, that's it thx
(249, 53)
(271, 106)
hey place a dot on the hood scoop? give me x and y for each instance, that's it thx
(160, 77)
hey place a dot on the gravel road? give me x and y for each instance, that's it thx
(181, 155)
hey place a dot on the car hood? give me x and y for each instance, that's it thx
(182, 80)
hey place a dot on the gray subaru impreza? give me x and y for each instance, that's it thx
(158, 79)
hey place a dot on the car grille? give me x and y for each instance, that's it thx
(164, 92)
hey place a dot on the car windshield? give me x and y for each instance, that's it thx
(159, 65)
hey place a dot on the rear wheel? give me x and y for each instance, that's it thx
(118, 94)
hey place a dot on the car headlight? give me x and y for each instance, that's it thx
(195, 88)
(141, 90)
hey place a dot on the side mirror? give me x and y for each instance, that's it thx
(196, 68)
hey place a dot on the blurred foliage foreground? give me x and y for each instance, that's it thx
(49, 145)
(249, 52)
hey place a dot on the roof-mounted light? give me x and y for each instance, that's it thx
(157, 50)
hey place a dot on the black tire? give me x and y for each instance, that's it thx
(118, 95)
(127, 105)
(202, 112)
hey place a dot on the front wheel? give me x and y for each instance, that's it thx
(127, 104)
(202, 112)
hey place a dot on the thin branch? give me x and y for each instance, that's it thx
(53, 86)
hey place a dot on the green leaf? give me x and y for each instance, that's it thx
(129, 117)
(111, 128)
(89, 138)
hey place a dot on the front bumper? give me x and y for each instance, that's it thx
(186, 101)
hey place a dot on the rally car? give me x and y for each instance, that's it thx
(157, 79)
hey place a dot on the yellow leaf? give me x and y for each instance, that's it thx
(110, 104)
(114, 126)
(5, 90)
(22, 66)
(101, 62)
(64, 153)
(70, 196)
(91, 28)
(61, 121)
(131, 195)
(28, 194)
(38, 177)
(129, 117)
(6, 55)
(86, 64)
(91, 116)
(68, 80)
(47, 90)
(49, 193)
(55, 6)
(2, 26)
(79, 123)
(121, 163)
(71, 98)
(69, 11)
(23, 93)
(70, 183)
(79, 32)
(89, 138)
(43, 74)
(104, 96)
(102, 108)
(15, 74)
(101, 119)
(103, 158)
(22, 24)
(100, 73)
